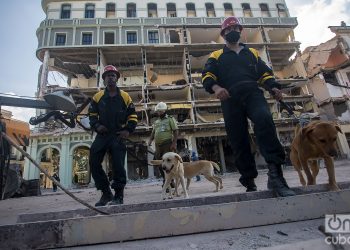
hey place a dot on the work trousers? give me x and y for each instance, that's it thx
(161, 149)
(116, 147)
(249, 102)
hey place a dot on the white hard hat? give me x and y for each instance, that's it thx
(161, 106)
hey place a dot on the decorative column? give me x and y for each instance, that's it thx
(44, 73)
(65, 169)
(30, 170)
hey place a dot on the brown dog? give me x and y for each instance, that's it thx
(315, 141)
(205, 168)
(173, 168)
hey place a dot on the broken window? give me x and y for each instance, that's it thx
(281, 10)
(152, 10)
(210, 9)
(264, 10)
(228, 9)
(208, 148)
(171, 10)
(330, 78)
(81, 170)
(340, 108)
(131, 10)
(109, 37)
(137, 161)
(191, 10)
(110, 10)
(247, 12)
(49, 160)
(174, 36)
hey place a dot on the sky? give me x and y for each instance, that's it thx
(18, 41)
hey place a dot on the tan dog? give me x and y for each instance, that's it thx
(205, 168)
(173, 168)
(316, 140)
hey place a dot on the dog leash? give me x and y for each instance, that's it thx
(285, 106)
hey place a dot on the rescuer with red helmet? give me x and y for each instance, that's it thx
(113, 117)
(234, 75)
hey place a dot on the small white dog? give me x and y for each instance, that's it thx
(173, 168)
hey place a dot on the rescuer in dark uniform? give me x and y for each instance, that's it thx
(234, 74)
(112, 115)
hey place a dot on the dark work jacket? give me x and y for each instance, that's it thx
(115, 113)
(229, 70)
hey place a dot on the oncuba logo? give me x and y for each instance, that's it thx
(337, 223)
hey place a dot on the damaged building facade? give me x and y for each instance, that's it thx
(160, 49)
(328, 68)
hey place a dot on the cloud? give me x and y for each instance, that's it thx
(315, 16)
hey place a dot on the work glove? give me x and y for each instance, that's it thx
(101, 129)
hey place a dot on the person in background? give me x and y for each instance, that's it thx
(194, 157)
(57, 178)
(164, 134)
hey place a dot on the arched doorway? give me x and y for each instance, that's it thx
(81, 169)
(49, 160)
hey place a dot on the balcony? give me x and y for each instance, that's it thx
(168, 21)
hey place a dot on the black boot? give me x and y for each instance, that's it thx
(249, 184)
(276, 181)
(118, 198)
(105, 198)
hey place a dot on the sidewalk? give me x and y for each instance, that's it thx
(147, 190)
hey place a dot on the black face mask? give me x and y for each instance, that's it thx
(233, 36)
(162, 115)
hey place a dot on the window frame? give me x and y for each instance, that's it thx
(85, 33)
(87, 11)
(281, 10)
(188, 9)
(110, 11)
(247, 10)
(65, 11)
(171, 11)
(65, 38)
(131, 31)
(207, 10)
(226, 10)
(111, 32)
(149, 10)
(148, 36)
(134, 10)
(266, 11)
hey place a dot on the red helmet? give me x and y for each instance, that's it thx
(230, 21)
(109, 68)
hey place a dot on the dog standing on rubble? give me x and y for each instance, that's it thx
(205, 168)
(317, 140)
(173, 168)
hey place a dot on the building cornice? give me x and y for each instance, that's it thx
(44, 3)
